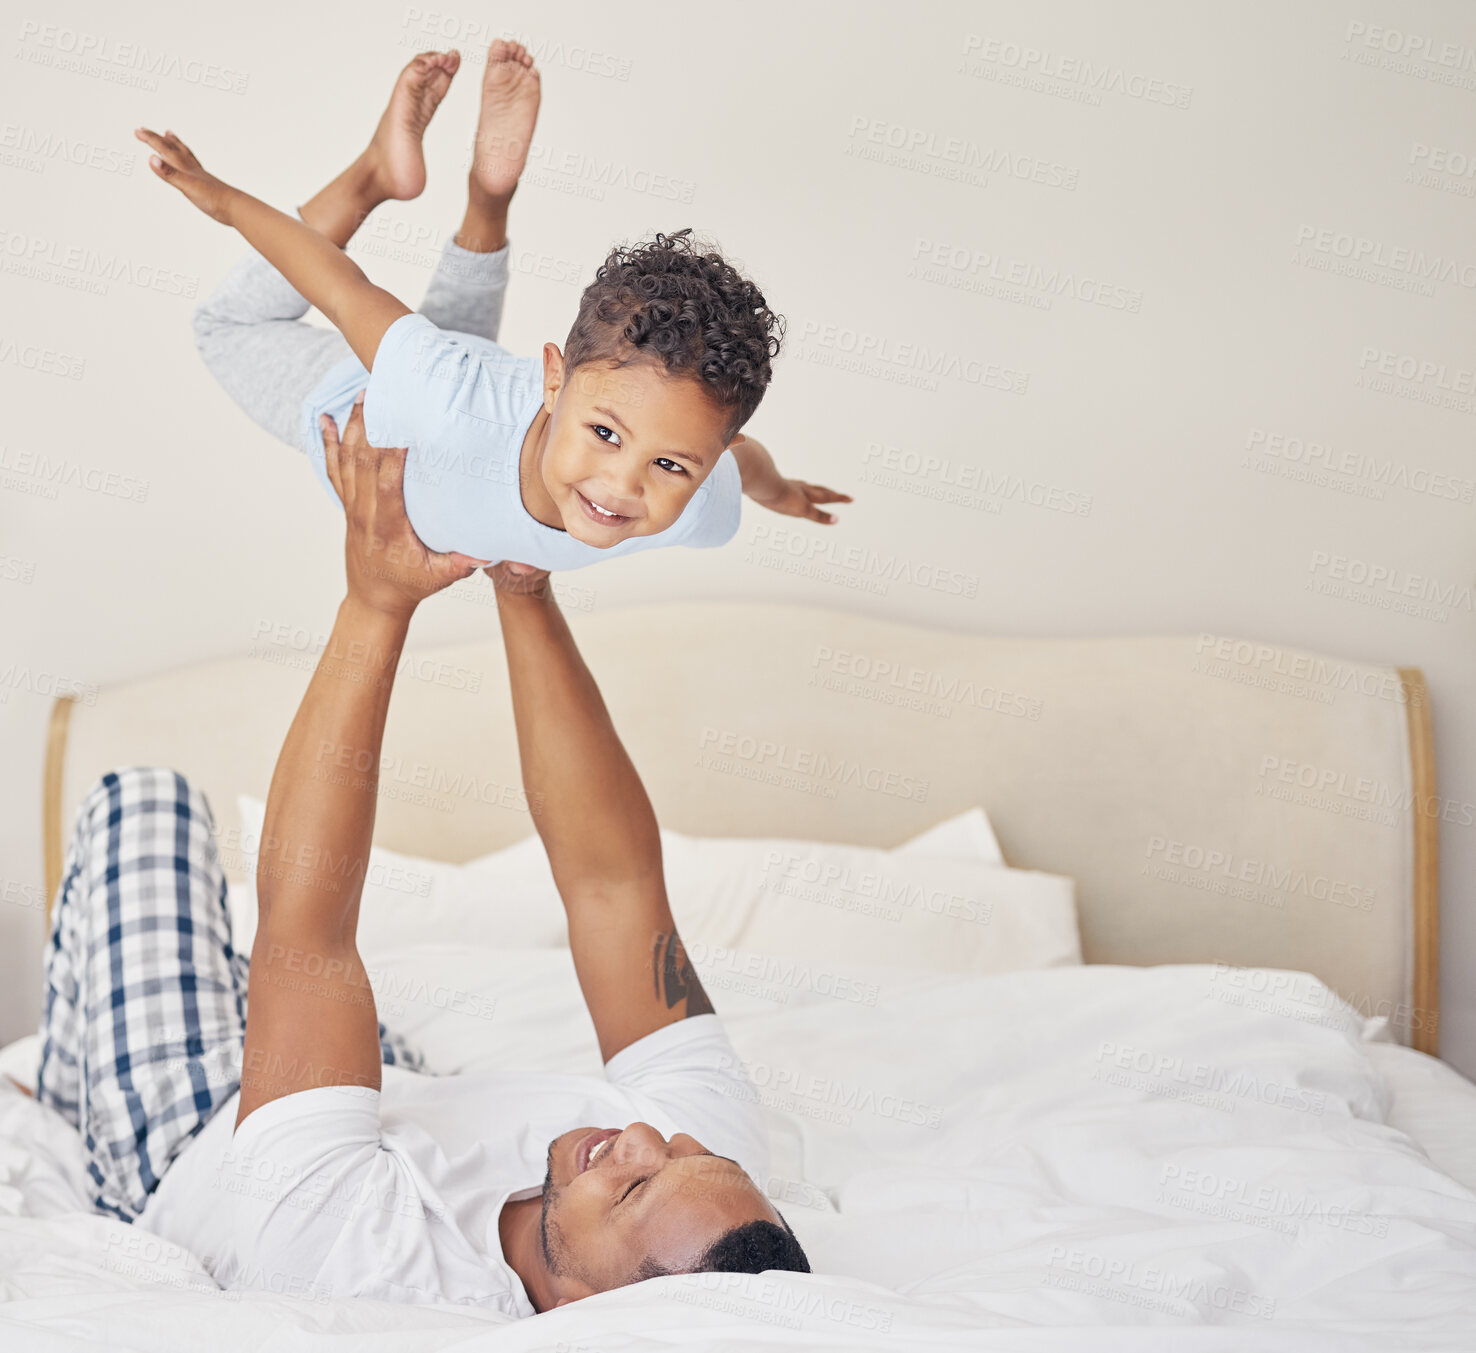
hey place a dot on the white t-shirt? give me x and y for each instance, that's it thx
(395, 1194)
(462, 405)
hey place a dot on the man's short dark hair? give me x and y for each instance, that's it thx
(677, 300)
(754, 1247)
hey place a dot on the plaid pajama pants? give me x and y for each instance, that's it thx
(145, 1007)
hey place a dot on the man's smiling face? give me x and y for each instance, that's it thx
(627, 447)
(613, 1200)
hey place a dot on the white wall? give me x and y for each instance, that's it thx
(1189, 195)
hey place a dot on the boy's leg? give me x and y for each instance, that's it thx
(467, 289)
(251, 334)
(250, 330)
(469, 284)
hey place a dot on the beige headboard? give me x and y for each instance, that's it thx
(1216, 800)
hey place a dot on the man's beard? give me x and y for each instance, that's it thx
(551, 1257)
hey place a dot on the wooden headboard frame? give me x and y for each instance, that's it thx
(52, 825)
(1426, 861)
(1421, 926)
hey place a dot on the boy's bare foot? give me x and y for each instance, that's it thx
(396, 154)
(511, 91)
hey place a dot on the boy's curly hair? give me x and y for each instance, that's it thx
(677, 300)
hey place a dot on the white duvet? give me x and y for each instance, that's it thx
(1071, 1159)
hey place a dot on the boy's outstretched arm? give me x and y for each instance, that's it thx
(325, 276)
(766, 486)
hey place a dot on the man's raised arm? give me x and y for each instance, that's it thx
(310, 1015)
(597, 825)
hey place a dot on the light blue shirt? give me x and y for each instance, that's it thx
(462, 405)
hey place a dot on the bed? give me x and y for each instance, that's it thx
(1217, 1123)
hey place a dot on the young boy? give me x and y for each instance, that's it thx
(625, 441)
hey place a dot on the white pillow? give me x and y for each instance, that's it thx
(506, 899)
(858, 905)
(968, 834)
(943, 901)
(22, 1060)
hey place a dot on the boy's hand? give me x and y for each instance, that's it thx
(389, 569)
(768, 488)
(175, 163)
(795, 498)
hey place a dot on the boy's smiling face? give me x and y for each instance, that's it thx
(625, 447)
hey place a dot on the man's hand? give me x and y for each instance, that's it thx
(518, 580)
(389, 569)
(768, 488)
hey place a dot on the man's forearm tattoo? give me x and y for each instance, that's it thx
(674, 977)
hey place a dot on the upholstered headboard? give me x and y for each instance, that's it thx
(1216, 800)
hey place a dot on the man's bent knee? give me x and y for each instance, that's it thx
(130, 782)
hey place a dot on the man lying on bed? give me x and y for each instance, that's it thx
(517, 1192)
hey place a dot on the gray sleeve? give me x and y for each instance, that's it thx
(466, 291)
